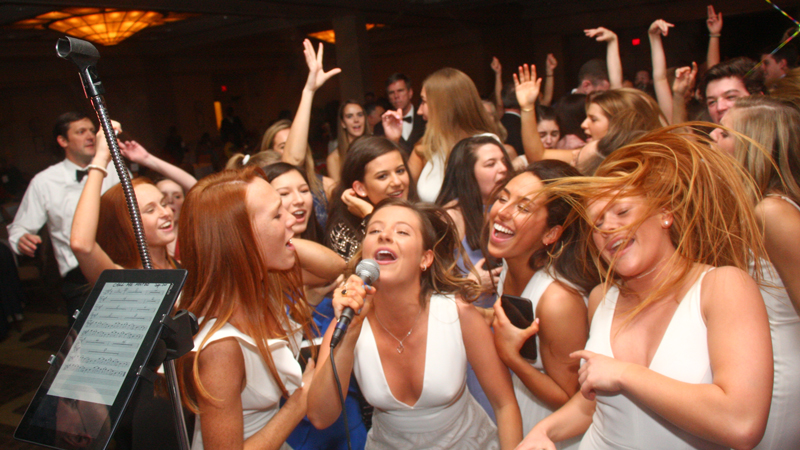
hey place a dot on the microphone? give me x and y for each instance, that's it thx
(369, 271)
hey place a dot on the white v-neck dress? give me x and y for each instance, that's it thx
(619, 421)
(446, 416)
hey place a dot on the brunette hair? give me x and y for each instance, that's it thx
(560, 256)
(268, 141)
(455, 112)
(678, 172)
(645, 110)
(64, 121)
(115, 229)
(227, 273)
(440, 235)
(774, 125)
(571, 112)
(261, 159)
(313, 231)
(741, 68)
(364, 151)
(460, 184)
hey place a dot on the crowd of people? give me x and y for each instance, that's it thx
(647, 227)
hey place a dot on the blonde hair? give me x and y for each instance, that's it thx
(787, 87)
(646, 113)
(455, 112)
(705, 190)
(267, 144)
(775, 125)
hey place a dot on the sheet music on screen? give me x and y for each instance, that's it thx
(102, 354)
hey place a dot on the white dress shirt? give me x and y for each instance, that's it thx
(51, 198)
(408, 126)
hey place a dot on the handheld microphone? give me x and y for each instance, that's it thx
(369, 271)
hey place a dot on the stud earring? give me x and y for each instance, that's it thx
(666, 223)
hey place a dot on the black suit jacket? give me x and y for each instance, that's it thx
(417, 131)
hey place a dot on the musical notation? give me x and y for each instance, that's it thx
(103, 352)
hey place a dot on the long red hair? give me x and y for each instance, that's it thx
(228, 273)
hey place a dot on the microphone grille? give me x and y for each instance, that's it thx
(368, 270)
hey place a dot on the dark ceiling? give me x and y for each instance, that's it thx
(221, 20)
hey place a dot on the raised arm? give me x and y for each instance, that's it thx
(732, 410)
(492, 374)
(549, 80)
(658, 29)
(527, 88)
(682, 88)
(323, 404)
(93, 260)
(297, 142)
(613, 61)
(138, 154)
(714, 24)
(498, 86)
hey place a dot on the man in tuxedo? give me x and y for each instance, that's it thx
(51, 198)
(400, 93)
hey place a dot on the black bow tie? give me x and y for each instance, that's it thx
(80, 173)
(408, 119)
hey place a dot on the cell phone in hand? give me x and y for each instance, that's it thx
(519, 311)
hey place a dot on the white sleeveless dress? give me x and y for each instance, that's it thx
(431, 179)
(620, 422)
(261, 395)
(445, 416)
(783, 425)
(532, 409)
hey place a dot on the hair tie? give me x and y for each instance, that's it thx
(245, 160)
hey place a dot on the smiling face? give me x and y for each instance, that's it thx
(279, 141)
(353, 120)
(489, 168)
(518, 220)
(394, 240)
(157, 217)
(634, 251)
(173, 194)
(296, 198)
(271, 224)
(549, 133)
(79, 143)
(385, 176)
(596, 124)
(721, 94)
(725, 141)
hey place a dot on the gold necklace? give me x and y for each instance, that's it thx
(400, 346)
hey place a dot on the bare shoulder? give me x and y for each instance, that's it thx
(558, 302)
(777, 215)
(595, 297)
(728, 288)
(469, 315)
(221, 355)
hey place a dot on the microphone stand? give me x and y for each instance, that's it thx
(85, 56)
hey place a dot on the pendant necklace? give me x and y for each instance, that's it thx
(400, 346)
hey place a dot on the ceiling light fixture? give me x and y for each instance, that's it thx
(106, 26)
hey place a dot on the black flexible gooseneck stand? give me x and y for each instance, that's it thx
(177, 332)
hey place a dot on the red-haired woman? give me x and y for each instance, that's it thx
(236, 241)
(114, 248)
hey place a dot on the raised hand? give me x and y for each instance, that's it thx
(714, 21)
(551, 64)
(102, 154)
(495, 65)
(316, 75)
(599, 373)
(660, 27)
(684, 80)
(393, 124)
(527, 86)
(134, 152)
(601, 34)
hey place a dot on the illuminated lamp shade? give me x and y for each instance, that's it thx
(330, 37)
(101, 26)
